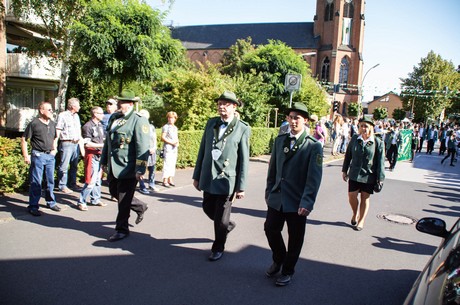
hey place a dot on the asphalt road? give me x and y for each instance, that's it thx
(64, 258)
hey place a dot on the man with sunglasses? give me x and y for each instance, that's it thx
(42, 134)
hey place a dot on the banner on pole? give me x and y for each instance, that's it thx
(405, 147)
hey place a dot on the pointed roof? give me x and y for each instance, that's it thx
(297, 35)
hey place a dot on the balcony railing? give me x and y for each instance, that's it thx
(20, 65)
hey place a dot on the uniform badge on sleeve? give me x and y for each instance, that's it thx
(319, 160)
(145, 128)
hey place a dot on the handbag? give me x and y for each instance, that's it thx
(378, 186)
(161, 153)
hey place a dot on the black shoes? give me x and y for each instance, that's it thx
(273, 270)
(55, 208)
(35, 212)
(283, 280)
(118, 236)
(140, 216)
(215, 256)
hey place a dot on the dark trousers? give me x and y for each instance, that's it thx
(420, 146)
(296, 231)
(218, 209)
(442, 148)
(450, 153)
(430, 146)
(123, 190)
(392, 155)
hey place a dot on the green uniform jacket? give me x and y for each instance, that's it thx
(228, 173)
(389, 138)
(365, 163)
(126, 147)
(294, 175)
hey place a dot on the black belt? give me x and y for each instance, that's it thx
(43, 152)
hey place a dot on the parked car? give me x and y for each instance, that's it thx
(439, 282)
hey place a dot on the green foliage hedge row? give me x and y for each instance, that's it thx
(14, 171)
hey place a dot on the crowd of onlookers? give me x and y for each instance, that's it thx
(424, 137)
(63, 139)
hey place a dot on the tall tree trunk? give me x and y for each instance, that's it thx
(63, 83)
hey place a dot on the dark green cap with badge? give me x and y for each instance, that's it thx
(366, 120)
(229, 96)
(127, 96)
(300, 108)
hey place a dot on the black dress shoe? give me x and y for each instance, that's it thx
(118, 236)
(55, 208)
(35, 212)
(215, 256)
(273, 270)
(140, 216)
(283, 280)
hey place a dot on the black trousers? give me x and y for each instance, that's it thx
(123, 190)
(430, 146)
(218, 208)
(450, 153)
(392, 155)
(419, 148)
(296, 231)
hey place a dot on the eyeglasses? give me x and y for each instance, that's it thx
(99, 112)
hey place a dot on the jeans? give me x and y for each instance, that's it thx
(151, 178)
(41, 162)
(69, 156)
(93, 189)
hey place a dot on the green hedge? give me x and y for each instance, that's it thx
(14, 171)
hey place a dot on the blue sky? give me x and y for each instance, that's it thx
(398, 34)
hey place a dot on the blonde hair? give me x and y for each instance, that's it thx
(171, 114)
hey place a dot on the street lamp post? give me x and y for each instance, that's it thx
(362, 84)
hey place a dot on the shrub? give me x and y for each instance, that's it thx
(13, 169)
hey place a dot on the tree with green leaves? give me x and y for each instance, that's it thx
(232, 59)
(399, 114)
(53, 20)
(380, 113)
(272, 62)
(123, 41)
(354, 109)
(428, 90)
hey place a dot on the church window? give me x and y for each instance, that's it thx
(329, 13)
(344, 68)
(348, 9)
(325, 69)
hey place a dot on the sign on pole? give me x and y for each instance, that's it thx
(292, 83)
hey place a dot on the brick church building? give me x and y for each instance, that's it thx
(332, 44)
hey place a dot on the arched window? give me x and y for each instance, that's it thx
(348, 9)
(325, 69)
(329, 12)
(344, 68)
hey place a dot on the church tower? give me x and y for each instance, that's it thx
(339, 25)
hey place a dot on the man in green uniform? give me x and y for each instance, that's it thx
(293, 181)
(221, 168)
(124, 157)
